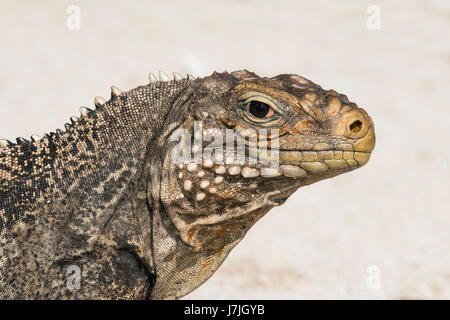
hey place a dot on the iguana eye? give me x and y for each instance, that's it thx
(259, 109)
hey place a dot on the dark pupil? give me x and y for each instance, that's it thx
(258, 109)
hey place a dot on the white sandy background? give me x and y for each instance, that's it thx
(379, 232)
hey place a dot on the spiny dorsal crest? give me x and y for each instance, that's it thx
(164, 77)
(98, 102)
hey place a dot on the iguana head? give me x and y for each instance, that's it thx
(254, 141)
(243, 144)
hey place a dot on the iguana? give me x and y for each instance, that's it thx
(105, 210)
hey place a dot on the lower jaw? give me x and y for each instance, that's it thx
(292, 164)
(299, 164)
(303, 165)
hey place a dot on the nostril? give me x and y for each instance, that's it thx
(356, 126)
(351, 124)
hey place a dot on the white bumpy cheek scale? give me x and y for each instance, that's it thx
(206, 184)
(304, 163)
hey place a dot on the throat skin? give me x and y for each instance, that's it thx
(82, 202)
(182, 267)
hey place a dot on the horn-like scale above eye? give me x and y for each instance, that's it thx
(259, 109)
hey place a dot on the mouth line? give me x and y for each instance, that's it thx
(326, 150)
(325, 160)
(285, 163)
(298, 164)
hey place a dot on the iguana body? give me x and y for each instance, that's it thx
(108, 197)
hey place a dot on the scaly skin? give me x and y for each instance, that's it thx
(108, 197)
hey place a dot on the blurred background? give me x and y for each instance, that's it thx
(381, 232)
